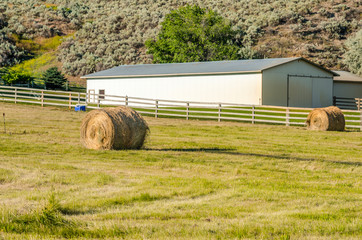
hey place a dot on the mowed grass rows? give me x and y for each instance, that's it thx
(193, 179)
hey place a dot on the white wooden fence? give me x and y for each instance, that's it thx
(172, 109)
(42, 97)
(348, 103)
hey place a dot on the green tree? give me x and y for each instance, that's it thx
(353, 56)
(53, 79)
(191, 34)
(11, 76)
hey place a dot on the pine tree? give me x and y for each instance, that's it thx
(53, 79)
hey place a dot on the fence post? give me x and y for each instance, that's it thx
(42, 98)
(98, 102)
(70, 100)
(219, 113)
(156, 110)
(252, 114)
(78, 98)
(187, 110)
(16, 95)
(86, 102)
(287, 117)
(359, 104)
(126, 101)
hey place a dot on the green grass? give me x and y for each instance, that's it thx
(38, 64)
(40, 45)
(193, 179)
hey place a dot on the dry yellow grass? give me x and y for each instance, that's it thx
(194, 179)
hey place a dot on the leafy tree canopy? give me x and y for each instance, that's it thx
(11, 76)
(353, 56)
(53, 79)
(194, 34)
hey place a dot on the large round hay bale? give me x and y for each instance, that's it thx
(113, 128)
(326, 119)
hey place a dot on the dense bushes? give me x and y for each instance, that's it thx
(10, 76)
(353, 56)
(9, 53)
(34, 18)
(338, 28)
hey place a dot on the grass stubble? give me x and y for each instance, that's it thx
(192, 179)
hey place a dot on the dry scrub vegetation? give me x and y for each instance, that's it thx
(110, 33)
(194, 179)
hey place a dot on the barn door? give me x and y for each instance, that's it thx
(322, 92)
(300, 93)
(309, 91)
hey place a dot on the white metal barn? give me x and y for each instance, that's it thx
(347, 85)
(294, 82)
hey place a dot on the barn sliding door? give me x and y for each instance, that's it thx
(309, 91)
(300, 91)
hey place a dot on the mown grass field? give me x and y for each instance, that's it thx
(193, 180)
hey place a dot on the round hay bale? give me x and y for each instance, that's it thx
(326, 119)
(113, 128)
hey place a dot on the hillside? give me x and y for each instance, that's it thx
(109, 33)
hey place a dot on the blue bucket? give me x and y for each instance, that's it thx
(79, 108)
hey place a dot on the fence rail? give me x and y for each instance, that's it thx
(173, 109)
(348, 103)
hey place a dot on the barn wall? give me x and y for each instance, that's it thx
(347, 89)
(274, 88)
(233, 88)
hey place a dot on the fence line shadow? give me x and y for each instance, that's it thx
(232, 151)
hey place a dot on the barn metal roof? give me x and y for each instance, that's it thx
(345, 76)
(195, 68)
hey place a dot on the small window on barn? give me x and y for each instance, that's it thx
(101, 93)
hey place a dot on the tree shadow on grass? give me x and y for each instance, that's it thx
(232, 151)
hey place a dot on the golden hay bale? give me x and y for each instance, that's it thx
(113, 128)
(326, 119)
